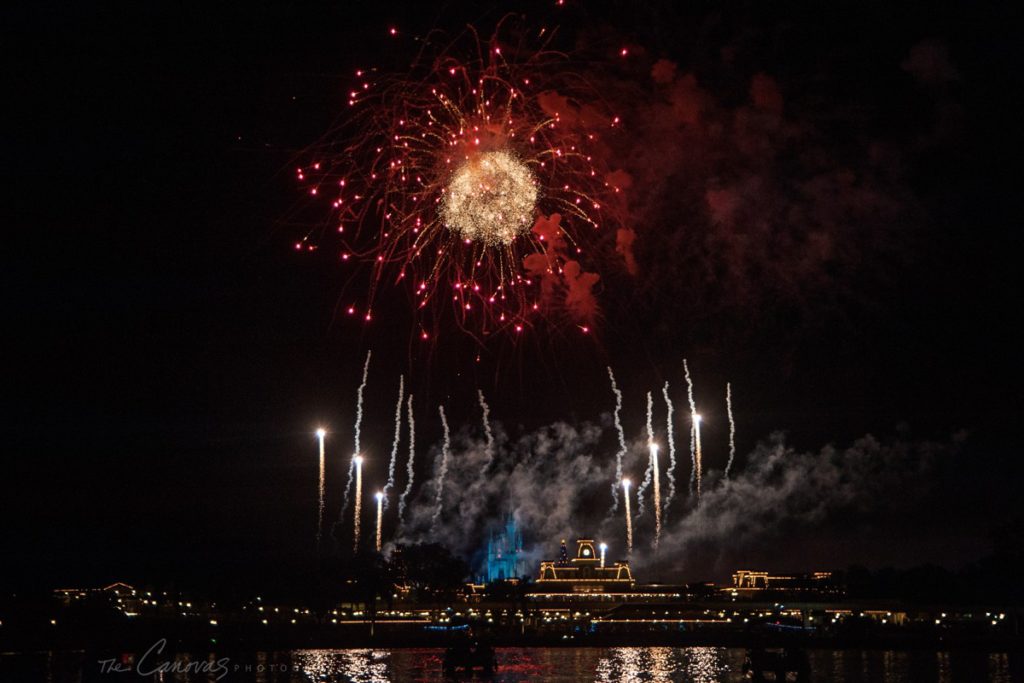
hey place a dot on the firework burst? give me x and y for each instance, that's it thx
(475, 183)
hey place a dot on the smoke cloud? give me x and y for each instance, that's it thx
(554, 481)
(737, 201)
(828, 502)
(564, 285)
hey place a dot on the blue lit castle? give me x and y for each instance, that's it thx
(504, 552)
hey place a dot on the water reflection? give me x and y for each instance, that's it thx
(895, 667)
(706, 664)
(999, 667)
(552, 665)
(357, 666)
(945, 675)
(664, 664)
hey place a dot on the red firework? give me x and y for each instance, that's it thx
(477, 183)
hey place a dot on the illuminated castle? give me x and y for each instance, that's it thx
(585, 573)
(503, 553)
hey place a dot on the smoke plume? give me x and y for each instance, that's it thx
(554, 481)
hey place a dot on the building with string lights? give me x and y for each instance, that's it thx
(586, 572)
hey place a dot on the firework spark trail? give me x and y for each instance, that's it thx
(359, 420)
(693, 436)
(489, 447)
(700, 465)
(359, 503)
(650, 418)
(640, 490)
(394, 442)
(409, 466)
(321, 488)
(671, 448)
(443, 470)
(657, 495)
(732, 428)
(380, 518)
(622, 442)
(629, 517)
(467, 155)
(359, 398)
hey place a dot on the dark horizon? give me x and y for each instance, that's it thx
(173, 354)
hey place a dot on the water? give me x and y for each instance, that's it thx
(558, 665)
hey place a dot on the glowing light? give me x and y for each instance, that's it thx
(380, 517)
(321, 433)
(491, 198)
(604, 550)
(629, 517)
(481, 166)
(657, 495)
(699, 457)
(358, 461)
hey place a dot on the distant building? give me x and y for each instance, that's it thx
(584, 573)
(504, 553)
(115, 591)
(747, 581)
(119, 595)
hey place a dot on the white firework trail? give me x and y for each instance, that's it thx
(359, 397)
(359, 422)
(629, 517)
(693, 433)
(380, 519)
(394, 442)
(650, 418)
(657, 495)
(321, 488)
(732, 428)
(357, 517)
(348, 487)
(700, 459)
(622, 442)
(443, 470)
(409, 466)
(640, 490)
(671, 448)
(489, 447)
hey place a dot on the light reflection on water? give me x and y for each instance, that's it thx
(556, 665)
(358, 666)
(666, 664)
(516, 665)
(654, 665)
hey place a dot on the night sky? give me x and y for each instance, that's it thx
(169, 353)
